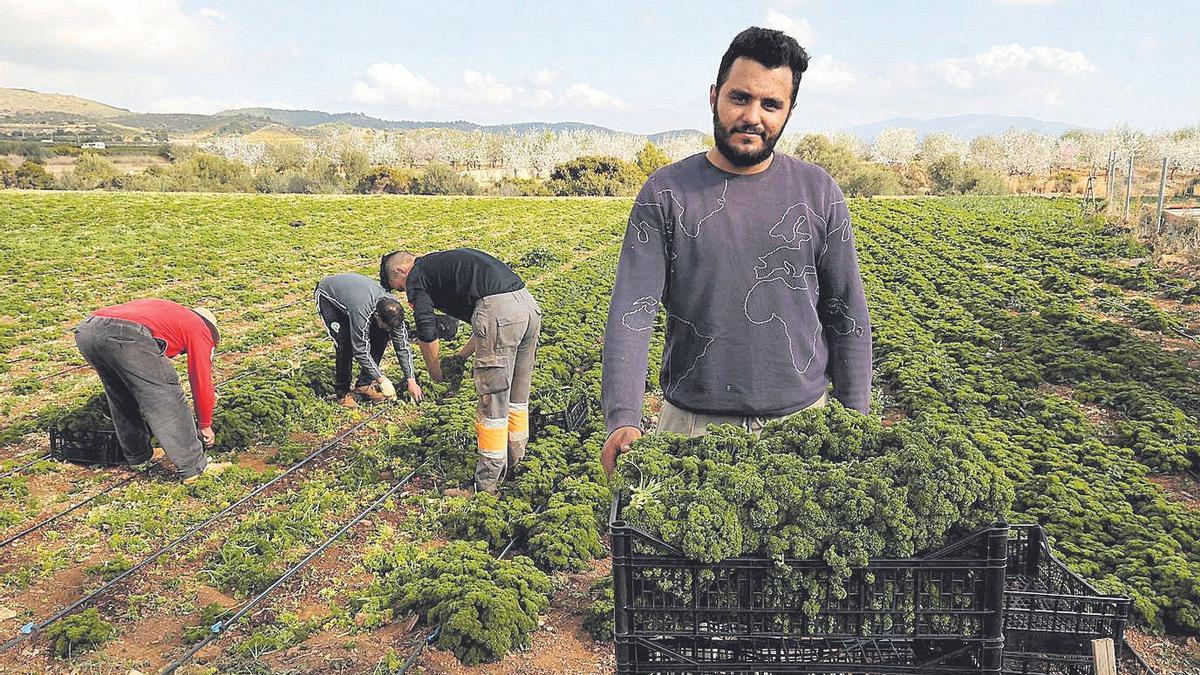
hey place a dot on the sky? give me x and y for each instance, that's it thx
(641, 67)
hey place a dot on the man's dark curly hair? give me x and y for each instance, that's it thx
(390, 312)
(771, 48)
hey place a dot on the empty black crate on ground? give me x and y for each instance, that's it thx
(940, 613)
(1051, 614)
(90, 446)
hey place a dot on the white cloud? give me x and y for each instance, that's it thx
(486, 88)
(1014, 64)
(1028, 2)
(213, 13)
(797, 28)
(545, 77)
(395, 83)
(587, 96)
(827, 74)
(106, 35)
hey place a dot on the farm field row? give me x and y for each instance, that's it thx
(1008, 319)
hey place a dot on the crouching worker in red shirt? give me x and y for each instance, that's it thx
(131, 347)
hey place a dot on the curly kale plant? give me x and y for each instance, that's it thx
(486, 607)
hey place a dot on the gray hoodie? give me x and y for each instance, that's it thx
(357, 296)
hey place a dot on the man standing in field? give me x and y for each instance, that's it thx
(131, 347)
(360, 317)
(471, 285)
(751, 254)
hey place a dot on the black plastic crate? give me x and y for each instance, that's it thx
(940, 613)
(569, 414)
(91, 446)
(1051, 614)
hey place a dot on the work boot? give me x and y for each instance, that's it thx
(371, 392)
(213, 469)
(346, 400)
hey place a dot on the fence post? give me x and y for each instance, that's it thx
(1128, 187)
(1104, 656)
(1162, 193)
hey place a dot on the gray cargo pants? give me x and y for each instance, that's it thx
(141, 387)
(676, 420)
(506, 328)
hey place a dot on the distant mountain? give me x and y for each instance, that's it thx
(25, 102)
(25, 106)
(556, 127)
(312, 118)
(187, 123)
(655, 138)
(964, 126)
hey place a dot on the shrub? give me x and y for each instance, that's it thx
(32, 176)
(387, 180)
(836, 158)
(947, 174)
(523, 187)
(91, 171)
(870, 180)
(650, 158)
(442, 179)
(595, 176)
(980, 181)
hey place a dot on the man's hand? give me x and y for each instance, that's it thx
(618, 442)
(207, 437)
(414, 390)
(386, 386)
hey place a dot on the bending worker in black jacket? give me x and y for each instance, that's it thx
(360, 317)
(505, 320)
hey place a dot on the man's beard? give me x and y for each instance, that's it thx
(734, 153)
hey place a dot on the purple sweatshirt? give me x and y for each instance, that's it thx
(759, 277)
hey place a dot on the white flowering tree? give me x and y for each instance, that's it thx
(680, 145)
(1027, 153)
(896, 146)
(936, 146)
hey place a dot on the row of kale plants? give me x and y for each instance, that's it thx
(973, 329)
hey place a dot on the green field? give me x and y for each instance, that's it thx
(1042, 339)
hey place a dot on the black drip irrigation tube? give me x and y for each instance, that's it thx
(26, 465)
(437, 630)
(218, 628)
(60, 514)
(1137, 658)
(32, 628)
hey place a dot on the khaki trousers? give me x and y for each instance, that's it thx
(506, 327)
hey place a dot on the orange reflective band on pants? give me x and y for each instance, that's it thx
(493, 436)
(518, 420)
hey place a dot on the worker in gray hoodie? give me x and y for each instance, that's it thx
(360, 317)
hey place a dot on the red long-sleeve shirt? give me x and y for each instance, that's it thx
(185, 332)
